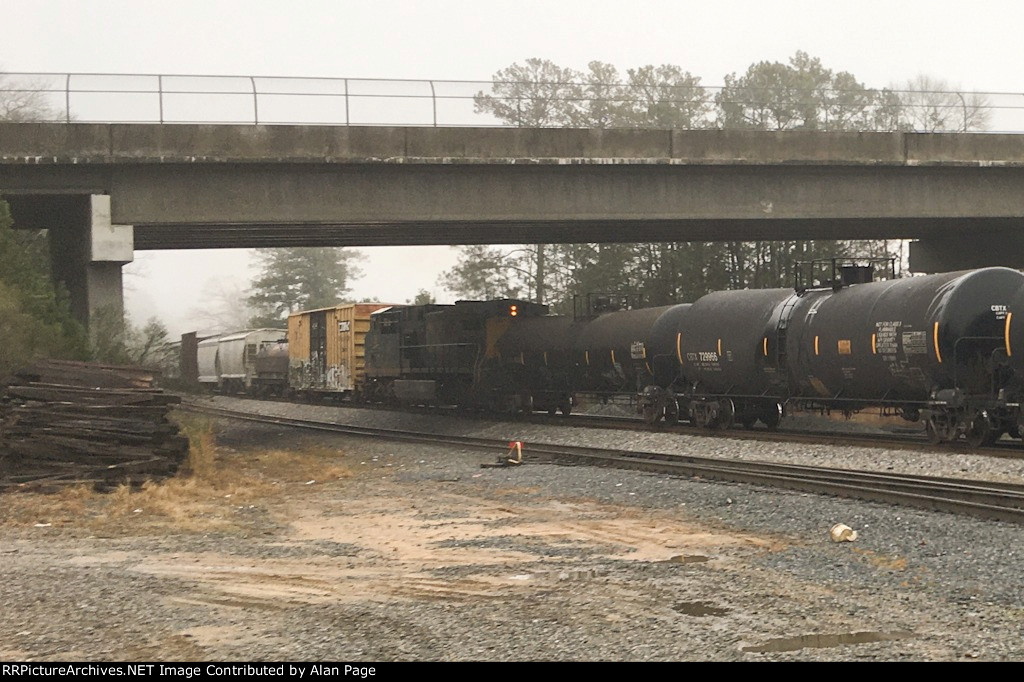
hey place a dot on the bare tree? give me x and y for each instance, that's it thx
(225, 308)
(25, 100)
(932, 105)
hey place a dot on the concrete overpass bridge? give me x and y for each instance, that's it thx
(105, 190)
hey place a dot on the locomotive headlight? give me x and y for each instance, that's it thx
(513, 310)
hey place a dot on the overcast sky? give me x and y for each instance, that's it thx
(975, 45)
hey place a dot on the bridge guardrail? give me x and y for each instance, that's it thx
(195, 99)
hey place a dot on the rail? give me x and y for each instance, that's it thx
(245, 99)
(984, 499)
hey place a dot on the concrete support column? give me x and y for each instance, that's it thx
(984, 250)
(87, 253)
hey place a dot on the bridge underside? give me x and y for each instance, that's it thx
(181, 206)
(932, 230)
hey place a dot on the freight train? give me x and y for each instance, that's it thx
(941, 349)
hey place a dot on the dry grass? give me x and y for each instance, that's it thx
(207, 496)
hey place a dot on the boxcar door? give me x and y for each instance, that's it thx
(318, 347)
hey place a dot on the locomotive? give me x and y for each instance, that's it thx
(849, 335)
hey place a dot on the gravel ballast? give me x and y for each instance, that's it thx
(421, 554)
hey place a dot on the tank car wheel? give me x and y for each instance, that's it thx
(565, 408)
(933, 432)
(552, 411)
(772, 417)
(980, 433)
(726, 414)
(651, 415)
(672, 413)
(748, 421)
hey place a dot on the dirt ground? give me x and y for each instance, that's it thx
(291, 546)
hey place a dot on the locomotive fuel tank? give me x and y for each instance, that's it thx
(904, 339)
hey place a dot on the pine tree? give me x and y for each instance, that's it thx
(294, 279)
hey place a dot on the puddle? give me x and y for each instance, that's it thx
(700, 609)
(687, 559)
(825, 641)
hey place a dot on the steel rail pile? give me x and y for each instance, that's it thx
(985, 499)
(68, 422)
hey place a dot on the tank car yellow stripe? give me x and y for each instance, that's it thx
(613, 356)
(522, 360)
(816, 345)
(679, 350)
(935, 338)
(586, 356)
(1009, 316)
(874, 344)
(545, 358)
(648, 366)
(765, 345)
(719, 347)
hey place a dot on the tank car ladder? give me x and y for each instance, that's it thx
(781, 332)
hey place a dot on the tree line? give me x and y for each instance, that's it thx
(801, 94)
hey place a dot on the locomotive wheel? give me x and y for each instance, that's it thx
(651, 415)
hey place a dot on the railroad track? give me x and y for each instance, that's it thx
(1008, 449)
(984, 499)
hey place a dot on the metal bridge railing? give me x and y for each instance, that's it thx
(180, 98)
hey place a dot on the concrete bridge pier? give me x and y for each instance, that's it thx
(87, 252)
